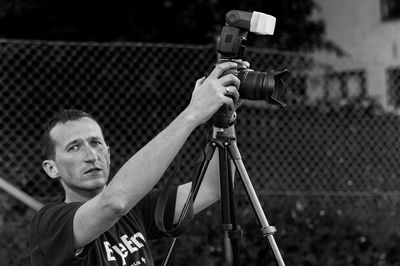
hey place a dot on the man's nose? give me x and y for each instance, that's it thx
(91, 154)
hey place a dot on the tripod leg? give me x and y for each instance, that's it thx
(235, 234)
(202, 168)
(229, 224)
(266, 229)
(224, 186)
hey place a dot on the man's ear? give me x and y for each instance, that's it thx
(49, 166)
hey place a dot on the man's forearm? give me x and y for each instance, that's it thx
(143, 170)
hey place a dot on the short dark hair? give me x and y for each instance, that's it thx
(62, 117)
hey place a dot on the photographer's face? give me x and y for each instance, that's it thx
(82, 158)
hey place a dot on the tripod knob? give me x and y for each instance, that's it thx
(268, 230)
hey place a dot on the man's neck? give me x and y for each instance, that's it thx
(80, 196)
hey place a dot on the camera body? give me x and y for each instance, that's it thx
(254, 85)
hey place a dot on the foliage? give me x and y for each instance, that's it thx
(14, 232)
(194, 21)
(304, 237)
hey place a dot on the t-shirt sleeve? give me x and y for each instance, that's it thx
(52, 234)
(146, 208)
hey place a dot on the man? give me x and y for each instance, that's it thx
(101, 224)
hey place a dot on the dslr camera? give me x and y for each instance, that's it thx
(254, 85)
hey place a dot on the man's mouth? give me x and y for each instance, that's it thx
(93, 170)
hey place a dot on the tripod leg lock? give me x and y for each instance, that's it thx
(268, 230)
(235, 234)
(226, 226)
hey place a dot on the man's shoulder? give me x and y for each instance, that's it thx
(58, 206)
(56, 209)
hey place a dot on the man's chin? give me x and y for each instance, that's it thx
(100, 184)
(96, 185)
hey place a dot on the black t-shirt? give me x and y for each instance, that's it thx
(125, 243)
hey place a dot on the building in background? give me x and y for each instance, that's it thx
(369, 33)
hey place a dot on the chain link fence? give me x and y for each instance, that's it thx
(333, 149)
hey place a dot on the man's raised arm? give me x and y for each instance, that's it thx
(144, 169)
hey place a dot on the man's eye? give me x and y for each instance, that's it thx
(96, 143)
(73, 148)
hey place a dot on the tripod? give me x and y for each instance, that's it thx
(228, 151)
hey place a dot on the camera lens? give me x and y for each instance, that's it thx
(256, 85)
(253, 85)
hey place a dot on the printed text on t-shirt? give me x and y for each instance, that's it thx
(125, 247)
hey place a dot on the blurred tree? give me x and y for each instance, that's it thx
(174, 21)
